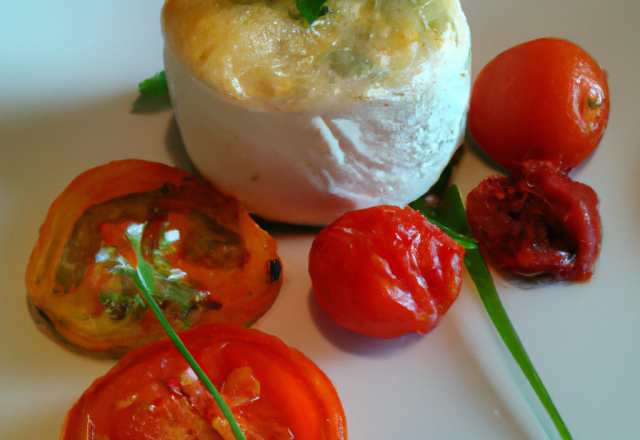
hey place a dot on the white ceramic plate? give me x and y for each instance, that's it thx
(68, 75)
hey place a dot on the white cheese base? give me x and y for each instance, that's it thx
(311, 166)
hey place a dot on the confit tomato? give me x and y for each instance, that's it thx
(274, 392)
(542, 226)
(385, 271)
(212, 263)
(546, 99)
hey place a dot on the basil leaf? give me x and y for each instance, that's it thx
(154, 87)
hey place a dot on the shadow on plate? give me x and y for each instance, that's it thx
(471, 143)
(176, 149)
(150, 105)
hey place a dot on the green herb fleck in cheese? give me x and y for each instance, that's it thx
(258, 50)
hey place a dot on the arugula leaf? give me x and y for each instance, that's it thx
(143, 277)
(450, 213)
(154, 87)
(311, 9)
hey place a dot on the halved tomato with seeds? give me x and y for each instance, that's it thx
(212, 263)
(274, 392)
(542, 226)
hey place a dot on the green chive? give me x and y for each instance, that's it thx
(143, 277)
(450, 212)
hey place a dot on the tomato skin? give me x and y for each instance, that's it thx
(216, 268)
(385, 271)
(145, 395)
(542, 226)
(546, 99)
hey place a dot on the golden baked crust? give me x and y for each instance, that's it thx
(303, 123)
(260, 50)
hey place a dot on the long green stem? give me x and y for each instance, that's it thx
(143, 277)
(451, 213)
(488, 294)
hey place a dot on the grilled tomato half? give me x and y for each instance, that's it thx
(212, 263)
(274, 392)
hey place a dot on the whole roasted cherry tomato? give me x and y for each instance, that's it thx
(546, 99)
(274, 392)
(542, 226)
(385, 271)
(212, 263)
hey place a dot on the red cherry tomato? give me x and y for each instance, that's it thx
(274, 391)
(385, 271)
(543, 226)
(546, 99)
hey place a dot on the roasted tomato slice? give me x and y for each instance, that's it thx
(385, 271)
(540, 225)
(274, 391)
(212, 262)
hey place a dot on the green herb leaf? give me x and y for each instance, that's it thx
(154, 87)
(143, 277)
(450, 212)
(311, 9)
(431, 214)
